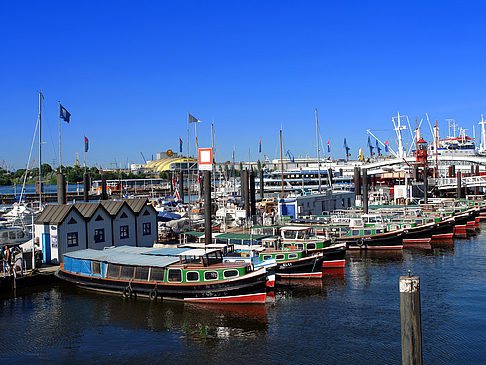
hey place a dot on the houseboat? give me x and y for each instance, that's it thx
(190, 275)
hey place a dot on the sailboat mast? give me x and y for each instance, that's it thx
(60, 159)
(40, 149)
(281, 163)
(318, 150)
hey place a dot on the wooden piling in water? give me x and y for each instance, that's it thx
(365, 191)
(459, 185)
(207, 208)
(410, 319)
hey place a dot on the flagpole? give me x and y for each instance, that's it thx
(60, 159)
(84, 153)
(318, 160)
(187, 163)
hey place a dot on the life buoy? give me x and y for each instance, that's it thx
(127, 292)
(153, 295)
(360, 242)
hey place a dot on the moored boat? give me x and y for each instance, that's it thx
(192, 275)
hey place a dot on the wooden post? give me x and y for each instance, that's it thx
(459, 185)
(207, 209)
(410, 318)
(365, 191)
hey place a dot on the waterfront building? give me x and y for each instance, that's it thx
(70, 227)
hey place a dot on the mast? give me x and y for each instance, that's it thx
(281, 164)
(40, 149)
(436, 149)
(482, 146)
(318, 158)
(60, 159)
(187, 165)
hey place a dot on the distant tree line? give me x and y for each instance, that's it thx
(73, 175)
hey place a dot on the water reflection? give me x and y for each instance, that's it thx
(350, 311)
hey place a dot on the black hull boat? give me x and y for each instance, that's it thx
(384, 241)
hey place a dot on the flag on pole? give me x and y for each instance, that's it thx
(86, 144)
(260, 146)
(180, 145)
(378, 149)
(329, 145)
(370, 146)
(346, 148)
(64, 114)
(191, 119)
(386, 146)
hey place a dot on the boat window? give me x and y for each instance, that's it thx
(127, 272)
(292, 256)
(96, 267)
(174, 275)
(289, 234)
(113, 271)
(299, 246)
(5, 235)
(311, 246)
(355, 232)
(230, 273)
(141, 273)
(210, 275)
(367, 232)
(20, 234)
(280, 257)
(301, 235)
(192, 276)
(12, 235)
(266, 257)
(379, 231)
(156, 274)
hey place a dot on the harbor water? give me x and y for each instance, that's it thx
(344, 319)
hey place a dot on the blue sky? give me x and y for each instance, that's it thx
(129, 72)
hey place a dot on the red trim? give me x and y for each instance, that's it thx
(334, 271)
(443, 236)
(271, 283)
(248, 298)
(416, 240)
(334, 263)
(305, 276)
(400, 247)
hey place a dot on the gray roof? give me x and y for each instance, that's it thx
(53, 214)
(122, 258)
(136, 204)
(168, 251)
(113, 206)
(87, 209)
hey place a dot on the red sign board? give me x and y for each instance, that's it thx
(205, 159)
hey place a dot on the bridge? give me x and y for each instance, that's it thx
(444, 183)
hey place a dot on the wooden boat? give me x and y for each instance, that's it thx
(301, 238)
(371, 238)
(192, 275)
(294, 263)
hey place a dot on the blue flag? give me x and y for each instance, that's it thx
(86, 144)
(192, 119)
(378, 148)
(64, 114)
(180, 145)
